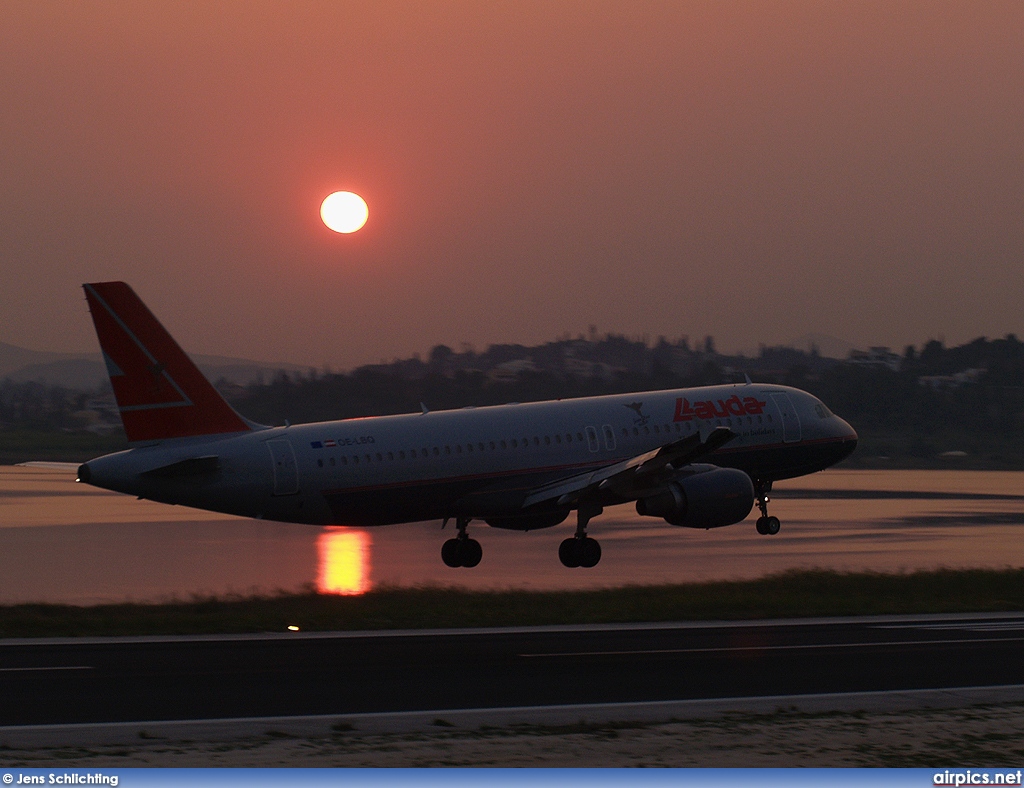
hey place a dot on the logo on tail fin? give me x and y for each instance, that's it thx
(160, 392)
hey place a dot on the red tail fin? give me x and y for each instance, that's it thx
(160, 392)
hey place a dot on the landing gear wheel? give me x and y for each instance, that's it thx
(472, 552)
(568, 554)
(579, 551)
(589, 552)
(760, 525)
(772, 525)
(461, 551)
(450, 553)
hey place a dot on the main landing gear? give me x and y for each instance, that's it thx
(766, 526)
(581, 550)
(461, 551)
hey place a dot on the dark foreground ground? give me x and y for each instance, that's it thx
(991, 736)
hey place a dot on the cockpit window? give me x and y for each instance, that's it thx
(822, 411)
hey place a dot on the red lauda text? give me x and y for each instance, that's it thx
(709, 409)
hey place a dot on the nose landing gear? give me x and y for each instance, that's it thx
(766, 526)
(461, 551)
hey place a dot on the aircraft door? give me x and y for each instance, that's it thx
(286, 469)
(790, 420)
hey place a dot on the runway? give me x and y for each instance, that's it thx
(70, 680)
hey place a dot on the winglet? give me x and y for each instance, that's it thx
(160, 393)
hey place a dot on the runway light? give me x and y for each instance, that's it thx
(292, 628)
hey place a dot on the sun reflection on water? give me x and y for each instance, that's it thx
(344, 561)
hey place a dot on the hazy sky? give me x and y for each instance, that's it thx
(751, 170)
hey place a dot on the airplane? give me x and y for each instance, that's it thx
(697, 457)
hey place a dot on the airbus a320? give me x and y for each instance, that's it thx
(697, 458)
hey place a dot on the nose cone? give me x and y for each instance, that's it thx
(84, 474)
(847, 436)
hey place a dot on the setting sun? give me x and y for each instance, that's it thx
(344, 212)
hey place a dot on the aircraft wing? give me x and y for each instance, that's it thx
(635, 474)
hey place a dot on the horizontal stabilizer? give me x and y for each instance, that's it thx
(193, 466)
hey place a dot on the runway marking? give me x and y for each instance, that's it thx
(980, 626)
(642, 652)
(47, 667)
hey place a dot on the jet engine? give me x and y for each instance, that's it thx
(704, 500)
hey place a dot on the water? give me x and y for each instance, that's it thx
(66, 542)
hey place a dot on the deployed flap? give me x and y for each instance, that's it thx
(634, 473)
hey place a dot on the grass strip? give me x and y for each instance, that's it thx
(791, 594)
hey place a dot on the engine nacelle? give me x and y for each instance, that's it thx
(705, 500)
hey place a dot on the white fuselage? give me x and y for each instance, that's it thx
(473, 462)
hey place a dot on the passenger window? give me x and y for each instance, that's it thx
(647, 430)
(391, 455)
(355, 458)
(536, 440)
(609, 437)
(379, 457)
(504, 445)
(469, 447)
(333, 463)
(344, 460)
(579, 437)
(547, 440)
(636, 430)
(492, 446)
(515, 444)
(437, 451)
(401, 455)
(568, 437)
(447, 449)
(558, 438)
(320, 463)
(458, 448)
(480, 446)
(657, 430)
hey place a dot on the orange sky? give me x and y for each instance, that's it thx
(755, 171)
